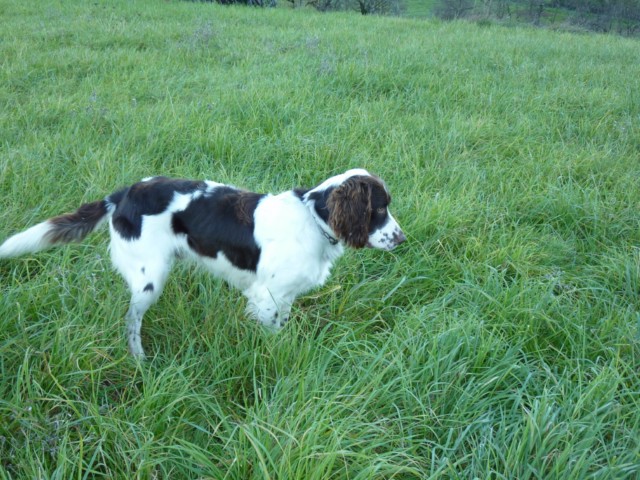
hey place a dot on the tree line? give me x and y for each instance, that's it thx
(365, 7)
(618, 16)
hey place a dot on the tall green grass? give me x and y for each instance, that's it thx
(501, 341)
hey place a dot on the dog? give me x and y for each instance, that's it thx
(271, 247)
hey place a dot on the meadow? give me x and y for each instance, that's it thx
(501, 341)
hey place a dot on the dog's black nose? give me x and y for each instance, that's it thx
(399, 237)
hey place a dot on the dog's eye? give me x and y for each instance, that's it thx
(381, 210)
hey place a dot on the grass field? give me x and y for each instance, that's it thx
(501, 341)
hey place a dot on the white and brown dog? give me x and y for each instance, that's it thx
(272, 247)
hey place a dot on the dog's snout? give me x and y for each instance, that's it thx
(399, 237)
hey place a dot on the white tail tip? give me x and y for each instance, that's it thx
(31, 240)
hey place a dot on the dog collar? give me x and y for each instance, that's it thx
(332, 240)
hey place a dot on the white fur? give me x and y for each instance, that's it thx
(32, 240)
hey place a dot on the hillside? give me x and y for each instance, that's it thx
(500, 341)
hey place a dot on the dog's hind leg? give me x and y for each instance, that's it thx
(134, 324)
(146, 286)
(145, 268)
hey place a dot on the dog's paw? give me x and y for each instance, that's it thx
(274, 320)
(271, 313)
(279, 320)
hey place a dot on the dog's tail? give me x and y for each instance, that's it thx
(67, 228)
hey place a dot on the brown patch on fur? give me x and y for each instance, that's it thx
(73, 227)
(350, 209)
(245, 206)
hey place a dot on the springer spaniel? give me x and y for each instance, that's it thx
(272, 247)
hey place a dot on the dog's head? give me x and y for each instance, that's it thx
(355, 206)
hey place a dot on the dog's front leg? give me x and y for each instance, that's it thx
(269, 308)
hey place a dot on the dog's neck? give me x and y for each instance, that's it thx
(314, 200)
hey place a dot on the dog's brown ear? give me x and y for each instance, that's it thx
(350, 211)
